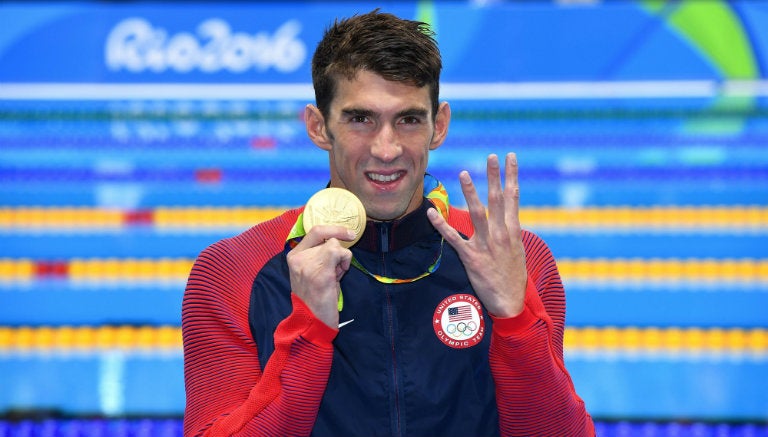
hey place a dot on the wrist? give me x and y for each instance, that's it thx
(316, 330)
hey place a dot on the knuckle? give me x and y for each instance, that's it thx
(496, 195)
(501, 235)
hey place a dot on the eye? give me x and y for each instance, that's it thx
(410, 119)
(359, 119)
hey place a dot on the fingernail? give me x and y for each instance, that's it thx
(431, 213)
(493, 160)
(464, 177)
(351, 234)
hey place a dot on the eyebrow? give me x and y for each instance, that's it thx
(413, 112)
(357, 112)
(409, 112)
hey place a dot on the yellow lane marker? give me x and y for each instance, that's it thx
(672, 339)
(691, 218)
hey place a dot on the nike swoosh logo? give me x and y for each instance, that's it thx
(345, 323)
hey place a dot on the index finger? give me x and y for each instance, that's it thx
(476, 208)
(319, 234)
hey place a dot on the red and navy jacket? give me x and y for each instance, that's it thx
(410, 359)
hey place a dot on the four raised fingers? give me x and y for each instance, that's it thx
(503, 204)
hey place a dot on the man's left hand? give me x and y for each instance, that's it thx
(493, 257)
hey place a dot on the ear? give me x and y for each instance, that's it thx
(442, 120)
(315, 124)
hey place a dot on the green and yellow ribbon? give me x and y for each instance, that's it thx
(434, 191)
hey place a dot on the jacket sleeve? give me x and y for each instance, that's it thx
(227, 391)
(534, 392)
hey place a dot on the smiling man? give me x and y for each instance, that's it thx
(378, 134)
(438, 321)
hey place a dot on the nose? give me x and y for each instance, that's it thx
(385, 145)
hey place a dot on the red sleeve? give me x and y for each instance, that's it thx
(534, 392)
(227, 391)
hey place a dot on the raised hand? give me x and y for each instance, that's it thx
(493, 257)
(316, 266)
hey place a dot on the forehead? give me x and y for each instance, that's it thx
(371, 92)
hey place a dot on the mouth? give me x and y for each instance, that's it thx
(382, 178)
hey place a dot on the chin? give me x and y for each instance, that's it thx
(383, 215)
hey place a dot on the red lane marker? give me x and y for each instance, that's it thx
(139, 217)
(208, 175)
(263, 143)
(51, 269)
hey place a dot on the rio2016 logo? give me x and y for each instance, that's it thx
(135, 45)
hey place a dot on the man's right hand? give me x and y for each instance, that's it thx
(316, 267)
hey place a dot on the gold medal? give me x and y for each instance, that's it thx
(335, 206)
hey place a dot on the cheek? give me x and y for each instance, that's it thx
(419, 154)
(419, 143)
(345, 159)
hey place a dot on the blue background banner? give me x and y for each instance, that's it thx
(273, 42)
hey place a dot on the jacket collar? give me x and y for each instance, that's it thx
(396, 234)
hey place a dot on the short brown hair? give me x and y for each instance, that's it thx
(394, 48)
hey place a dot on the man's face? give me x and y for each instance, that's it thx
(378, 136)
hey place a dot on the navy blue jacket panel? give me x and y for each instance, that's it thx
(392, 374)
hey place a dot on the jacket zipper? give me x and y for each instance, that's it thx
(396, 419)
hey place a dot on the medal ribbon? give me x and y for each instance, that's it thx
(388, 280)
(434, 190)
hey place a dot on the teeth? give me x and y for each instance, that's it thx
(384, 178)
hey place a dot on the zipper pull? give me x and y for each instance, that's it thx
(384, 234)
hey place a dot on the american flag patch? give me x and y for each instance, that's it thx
(460, 313)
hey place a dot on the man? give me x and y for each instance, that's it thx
(438, 321)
